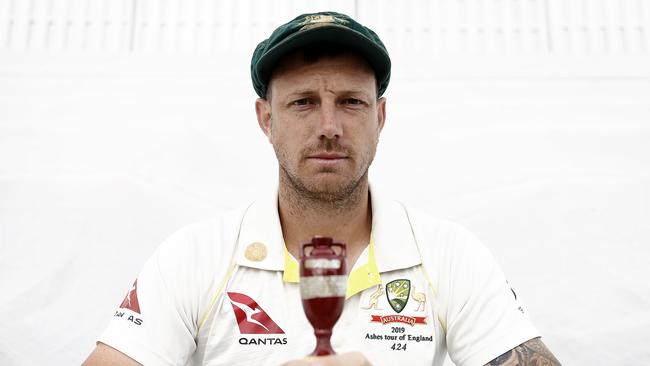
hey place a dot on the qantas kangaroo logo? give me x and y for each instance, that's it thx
(131, 300)
(251, 318)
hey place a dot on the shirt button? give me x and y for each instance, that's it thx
(255, 252)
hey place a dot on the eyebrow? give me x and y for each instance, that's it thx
(303, 92)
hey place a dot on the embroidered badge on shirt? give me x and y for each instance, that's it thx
(397, 293)
(384, 328)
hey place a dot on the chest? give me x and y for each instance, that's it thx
(259, 319)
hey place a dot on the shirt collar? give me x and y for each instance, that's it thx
(391, 229)
(395, 245)
(261, 225)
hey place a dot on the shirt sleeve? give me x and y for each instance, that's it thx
(155, 323)
(484, 316)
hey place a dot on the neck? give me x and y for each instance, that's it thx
(348, 220)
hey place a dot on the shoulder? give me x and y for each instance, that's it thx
(449, 252)
(188, 266)
(201, 238)
(206, 245)
(440, 235)
(174, 290)
(437, 240)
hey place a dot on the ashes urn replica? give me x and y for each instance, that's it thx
(323, 281)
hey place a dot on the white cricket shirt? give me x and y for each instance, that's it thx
(226, 292)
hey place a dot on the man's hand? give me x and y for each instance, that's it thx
(351, 358)
(532, 352)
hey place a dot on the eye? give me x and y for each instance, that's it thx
(302, 102)
(352, 101)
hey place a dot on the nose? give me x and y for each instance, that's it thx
(329, 126)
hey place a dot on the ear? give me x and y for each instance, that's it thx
(381, 113)
(263, 111)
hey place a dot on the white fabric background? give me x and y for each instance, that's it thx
(545, 157)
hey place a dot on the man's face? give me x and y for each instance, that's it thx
(323, 119)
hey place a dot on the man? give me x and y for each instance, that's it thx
(226, 291)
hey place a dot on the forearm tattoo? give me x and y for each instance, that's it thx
(533, 352)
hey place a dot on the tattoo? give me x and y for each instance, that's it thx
(533, 353)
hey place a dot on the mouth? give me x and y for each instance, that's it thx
(327, 156)
(327, 159)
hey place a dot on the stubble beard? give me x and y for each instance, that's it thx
(306, 194)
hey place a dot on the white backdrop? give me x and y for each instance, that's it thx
(532, 130)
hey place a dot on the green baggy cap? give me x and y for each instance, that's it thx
(324, 27)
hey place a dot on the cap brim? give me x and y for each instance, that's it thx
(333, 34)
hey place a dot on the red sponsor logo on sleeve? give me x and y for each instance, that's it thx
(131, 299)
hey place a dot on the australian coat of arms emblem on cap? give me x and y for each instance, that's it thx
(318, 20)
